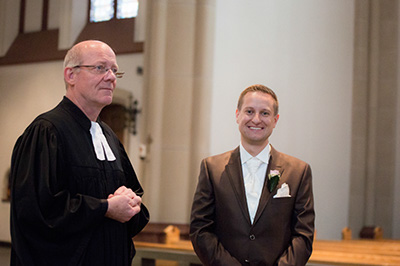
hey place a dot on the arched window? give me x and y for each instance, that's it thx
(104, 10)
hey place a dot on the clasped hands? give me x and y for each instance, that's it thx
(123, 204)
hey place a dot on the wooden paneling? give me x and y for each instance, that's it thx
(43, 45)
(118, 33)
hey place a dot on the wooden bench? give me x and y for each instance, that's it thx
(181, 252)
(172, 248)
(379, 247)
(356, 252)
(364, 252)
(326, 252)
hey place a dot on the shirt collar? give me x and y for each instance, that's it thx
(262, 156)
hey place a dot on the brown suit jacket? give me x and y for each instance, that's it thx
(283, 228)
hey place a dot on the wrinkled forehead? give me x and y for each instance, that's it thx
(98, 53)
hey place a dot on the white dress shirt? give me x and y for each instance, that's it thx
(254, 184)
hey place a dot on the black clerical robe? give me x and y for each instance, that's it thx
(59, 191)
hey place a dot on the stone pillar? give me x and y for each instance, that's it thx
(374, 116)
(9, 24)
(73, 19)
(178, 67)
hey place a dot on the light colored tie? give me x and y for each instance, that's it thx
(100, 143)
(251, 192)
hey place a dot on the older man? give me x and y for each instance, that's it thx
(75, 197)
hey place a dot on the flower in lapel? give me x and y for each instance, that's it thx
(273, 179)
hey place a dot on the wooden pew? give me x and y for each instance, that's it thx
(326, 252)
(364, 252)
(322, 257)
(356, 252)
(379, 247)
(172, 249)
(180, 251)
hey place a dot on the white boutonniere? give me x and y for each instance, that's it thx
(273, 179)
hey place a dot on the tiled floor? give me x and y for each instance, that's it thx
(5, 255)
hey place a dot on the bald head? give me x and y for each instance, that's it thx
(75, 55)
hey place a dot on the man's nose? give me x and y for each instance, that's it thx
(256, 118)
(110, 75)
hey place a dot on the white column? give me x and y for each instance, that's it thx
(396, 192)
(73, 18)
(176, 87)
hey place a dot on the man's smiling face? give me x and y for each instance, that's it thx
(256, 118)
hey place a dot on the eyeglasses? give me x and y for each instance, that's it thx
(103, 70)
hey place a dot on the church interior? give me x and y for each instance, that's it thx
(333, 64)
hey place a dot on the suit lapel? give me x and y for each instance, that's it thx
(273, 164)
(235, 174)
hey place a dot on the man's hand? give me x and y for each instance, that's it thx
(123, 204)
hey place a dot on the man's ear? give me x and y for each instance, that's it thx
(69, 75)
(237, 115)
(276, 118)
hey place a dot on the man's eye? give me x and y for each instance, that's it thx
(100, 68)
(114, 70)
(265, 113)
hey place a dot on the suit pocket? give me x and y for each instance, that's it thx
(285, 200)
(282, 207)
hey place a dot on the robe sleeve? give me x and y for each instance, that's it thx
(43, 211)
(139, 221)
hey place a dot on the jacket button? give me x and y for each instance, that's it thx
(247, 261)
(252, 237)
